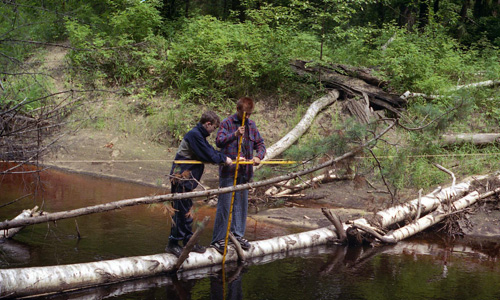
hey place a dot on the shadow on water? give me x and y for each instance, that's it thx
(424, 267)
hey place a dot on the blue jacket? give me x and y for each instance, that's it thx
(194, 146)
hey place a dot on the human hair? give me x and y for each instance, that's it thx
(245, 104)
(210, 116)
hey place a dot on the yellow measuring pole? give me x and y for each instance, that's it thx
(232, 196)
(265, 162)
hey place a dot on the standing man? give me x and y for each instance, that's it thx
(227, 139)
(185, 178)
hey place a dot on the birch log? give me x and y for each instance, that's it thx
(330, 176)
(475, 138)
(428, 203)
(302, 126)
(487, 83)
(437, 216)
(431, 219)
(53, 279)
(9, 233)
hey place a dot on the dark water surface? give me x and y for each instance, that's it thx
(425, 267)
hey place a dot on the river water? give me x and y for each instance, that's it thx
(429, 266)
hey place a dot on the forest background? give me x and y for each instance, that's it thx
(160, 63)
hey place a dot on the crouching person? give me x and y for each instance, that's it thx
(185, 177)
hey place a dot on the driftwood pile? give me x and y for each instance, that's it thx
(362, 91)
(417, 215)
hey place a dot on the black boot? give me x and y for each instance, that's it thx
(199, 249)
(173, 248)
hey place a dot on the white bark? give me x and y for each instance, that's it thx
(38, 280)
(487, 83)
(438, 215)
(431, 219)
(302, 126)
(321, 178)
(475, 138)
(428, 203)
(477, 84)
(9, 233)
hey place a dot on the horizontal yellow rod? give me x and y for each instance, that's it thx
(265, 162)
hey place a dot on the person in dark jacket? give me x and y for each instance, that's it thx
(185, 178)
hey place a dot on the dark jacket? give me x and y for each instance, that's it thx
(194, 146)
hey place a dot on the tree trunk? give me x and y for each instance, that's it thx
(475, 138)
(487, 83)
(431, 219)
(302, 126)
(328, 177)
(428, 203)
(423, 15)
(9, 233)
(352, 86)
(53, 279)
(360, 109)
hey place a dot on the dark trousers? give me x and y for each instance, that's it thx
(182, 225)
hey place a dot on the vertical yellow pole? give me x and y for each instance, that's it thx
(232, 197)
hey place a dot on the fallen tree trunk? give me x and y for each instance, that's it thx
(428, 203)
(53, 279)
(360, 109)
(352, 86)
(336, 264)
(324, 178)
(475, 138)
(48, 217)
(487, 83)
(431, 219)
(302, 126)
(438, 215)
(9, 233)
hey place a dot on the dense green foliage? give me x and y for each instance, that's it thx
(212, 52)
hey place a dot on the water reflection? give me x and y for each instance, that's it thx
(13, 253)
(227, 285)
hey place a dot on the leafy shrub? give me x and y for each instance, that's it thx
(428, 62)
(124, 50)
(214, 59)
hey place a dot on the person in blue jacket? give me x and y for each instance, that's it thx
(185, 178)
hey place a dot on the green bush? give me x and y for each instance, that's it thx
(125, 50)
(430, 61)
(213, 59)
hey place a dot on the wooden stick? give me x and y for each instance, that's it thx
(385, 239)
(336, 222)
(192, 241)
(237, 246)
